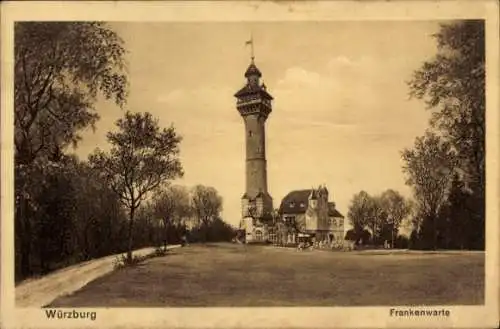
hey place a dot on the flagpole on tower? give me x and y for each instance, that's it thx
(250, 42)
(251, 45)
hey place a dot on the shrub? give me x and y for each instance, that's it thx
(122, 261)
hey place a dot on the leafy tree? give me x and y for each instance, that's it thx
(459, 228)
(401, 242)
(365, 211)
(359, 238)
(60, 69)
(171, 206)
(55, 216)
(377, 217)
(358, 211)
(207, 205)
(413, 240)
(221, 231)
(100, 218)
(396, 209)
(429, 167)
(141, 159)
(350, 235)
(453, 86)
(148, 228)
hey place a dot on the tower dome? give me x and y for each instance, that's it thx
(252, 70)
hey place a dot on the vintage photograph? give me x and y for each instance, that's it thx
(271, 161)
(181, 164)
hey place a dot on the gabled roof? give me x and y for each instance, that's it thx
(332, 211)
(296, 198)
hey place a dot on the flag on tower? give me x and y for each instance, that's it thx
(250, 42)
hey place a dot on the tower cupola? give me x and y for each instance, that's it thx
(253, 74)
(253, 98)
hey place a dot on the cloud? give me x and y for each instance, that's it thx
(347, 91)
(296, 78)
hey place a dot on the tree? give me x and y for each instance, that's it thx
(377, 216)
(99, 215)
(147, 228)
(141, 159)
(207, 205)
(221, 231)
(429, 167)
(358, 238)
(55, 216)
(60, 69)
(358, 211)
(171, 206)
(458, 223)
(396, 208)
(453, 86)
(365, 211)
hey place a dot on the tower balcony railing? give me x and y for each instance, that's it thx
(258, 101)
(246, 109)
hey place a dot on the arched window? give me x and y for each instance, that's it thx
(258, 235)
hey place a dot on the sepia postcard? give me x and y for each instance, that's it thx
(263, 164)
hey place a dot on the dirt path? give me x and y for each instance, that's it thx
(42, 291)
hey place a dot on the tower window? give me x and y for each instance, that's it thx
(250, 133)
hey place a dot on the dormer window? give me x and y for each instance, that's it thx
(292, 204)
(302, 205)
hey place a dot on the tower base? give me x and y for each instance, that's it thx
(256, 230)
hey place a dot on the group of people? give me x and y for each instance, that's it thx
(311, 245)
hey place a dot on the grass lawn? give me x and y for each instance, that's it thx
(239, 275)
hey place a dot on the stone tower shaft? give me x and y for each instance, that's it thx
(254, 105)
(256, 171)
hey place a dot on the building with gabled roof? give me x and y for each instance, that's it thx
(310, 212)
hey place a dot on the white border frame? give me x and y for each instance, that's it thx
(318, 317)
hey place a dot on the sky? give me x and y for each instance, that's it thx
(341, 111)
